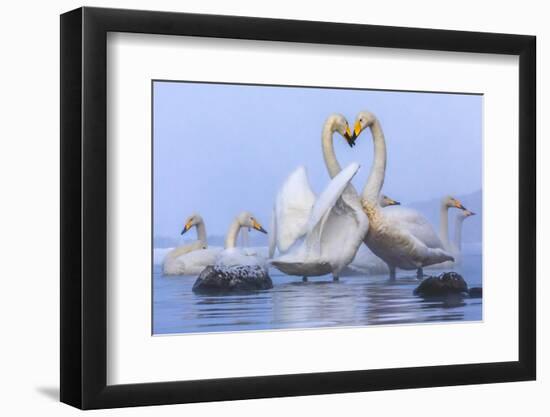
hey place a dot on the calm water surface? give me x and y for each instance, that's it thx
(353, 301)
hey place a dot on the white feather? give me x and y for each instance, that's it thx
(334, 231)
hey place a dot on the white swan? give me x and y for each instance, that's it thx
(456, 246)
(235, 269)
(332, 234)
(293, 210)
(191, 259)
(295, 199)
(417, 224)
(447, 202)
(398, 247)
(366, 262)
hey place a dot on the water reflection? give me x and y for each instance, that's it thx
(353, 301)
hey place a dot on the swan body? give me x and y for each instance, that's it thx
(235, 269)
(328, 239)
(366, 262)
(192, 258)
(416, 224)
(398, 246)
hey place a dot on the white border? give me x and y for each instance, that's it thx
(135, 356)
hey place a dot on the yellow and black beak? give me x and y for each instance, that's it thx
(459, 205)
(349, 137)
(186, 228)
(357, 129)
(392, 202)
(469, 213)
(258, 227)
(356, 132)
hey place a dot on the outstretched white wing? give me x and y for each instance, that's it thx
(292, 210)
(334, 231)
(337, 223)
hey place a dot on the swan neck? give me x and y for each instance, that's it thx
(244, 237)
(458, 233)
(444, 224)
(232, 233)
(329, 155)
(372, 189)
(201, 233)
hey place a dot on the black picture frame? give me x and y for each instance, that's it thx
(84, 207)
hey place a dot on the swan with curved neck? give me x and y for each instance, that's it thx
(295, 199)
(235, 269)
(244, 220)
(318, 236)
(447, 202)
(334, 123)
(195, 220)
(194, 257)
(398, 247)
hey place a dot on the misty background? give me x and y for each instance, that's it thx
(220, 149)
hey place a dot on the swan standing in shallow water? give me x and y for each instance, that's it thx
(235, 269)
(334, 232)
(415, 223)
(191, 259)
(318, 236)
(366, 262)
(398, 247)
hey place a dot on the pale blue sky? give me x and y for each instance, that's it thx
(220, 149)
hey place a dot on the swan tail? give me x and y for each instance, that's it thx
(436, 256)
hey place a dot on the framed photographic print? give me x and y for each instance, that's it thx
(258, 207)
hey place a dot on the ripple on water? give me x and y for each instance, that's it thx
(320, 302)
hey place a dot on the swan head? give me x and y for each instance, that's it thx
(386, 201)
(363, 120)
(338, 123)
(191, 221)
(246, 219)
(451, 202)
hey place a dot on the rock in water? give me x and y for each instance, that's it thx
(476, 292)
(235, 279)
(446, 284)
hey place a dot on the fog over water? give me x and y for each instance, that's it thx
(220, 149)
